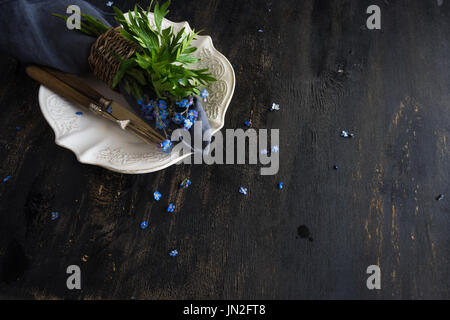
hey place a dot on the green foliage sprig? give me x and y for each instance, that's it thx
(162, 63)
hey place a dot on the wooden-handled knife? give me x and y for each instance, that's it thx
(72, 88)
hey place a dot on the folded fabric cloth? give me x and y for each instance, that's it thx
(32, 35)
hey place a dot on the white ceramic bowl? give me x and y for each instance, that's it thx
(99, 142)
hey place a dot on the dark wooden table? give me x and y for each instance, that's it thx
(328, 72)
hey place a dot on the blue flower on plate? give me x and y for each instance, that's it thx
(183, 103)
(188, 124)
(157, 195)
(178, 119)
(162, 124)
(166, 145)
(162, 104)
(193, 115)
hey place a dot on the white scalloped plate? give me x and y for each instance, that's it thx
(100, 142)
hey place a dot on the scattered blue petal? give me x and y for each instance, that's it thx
(335, 167)
(264, 151)
(144, 225)
(260, 30)
(280, 185)
(275, 149)
(54, 215)
(18, 128)
(109, 3)
(173, 253)
(171, 208)
(79, 113)
(243, 190)
(248, 123)
(346, 134)
(6, 178)
(185, 183)
(157, 195)
(274, 107)
(109, 110)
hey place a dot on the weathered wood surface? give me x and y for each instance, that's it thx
(378, 208)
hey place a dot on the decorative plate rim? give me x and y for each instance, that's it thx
(45, 93)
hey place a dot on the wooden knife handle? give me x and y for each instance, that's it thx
(57, 86)
(75, 82)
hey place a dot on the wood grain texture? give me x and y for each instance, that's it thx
(378, 208)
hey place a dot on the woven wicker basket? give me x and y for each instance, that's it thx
(104, 64)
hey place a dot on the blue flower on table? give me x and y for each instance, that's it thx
(275, 107)
(144, 225)
(204, 93)
(185, 183)
(346, 134)
(243, 190)
(54, 215)
(109, 3)
(157, 195)
(173, 253)
(178, 119)
(166, 145)
(183, 103)
(188, 124)
(171, 208)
